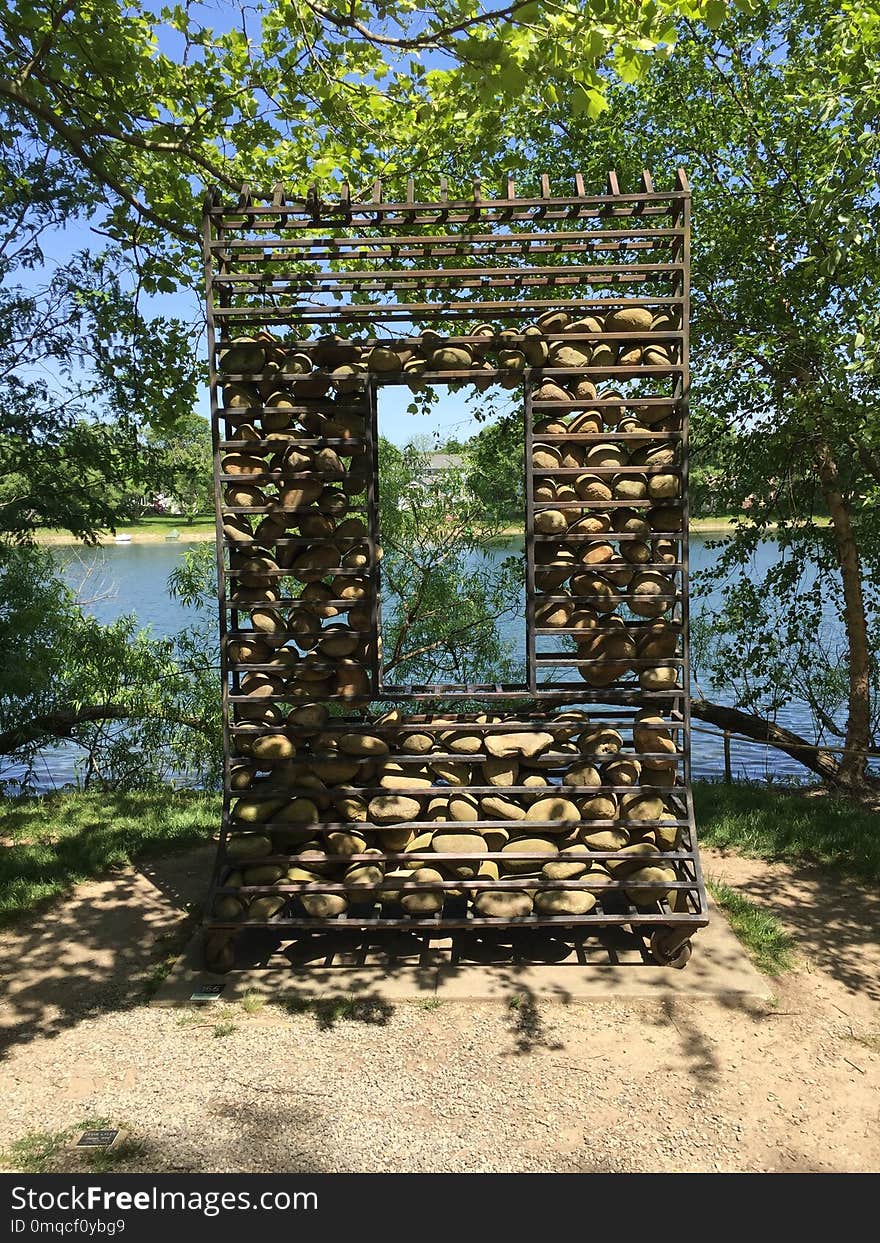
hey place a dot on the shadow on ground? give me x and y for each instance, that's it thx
(99, 949)
(835, 920)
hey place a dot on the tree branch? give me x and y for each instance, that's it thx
(45, 43)
(74, 139)
(62, 723)
(735, 721)
(140, 141)
(427, 41)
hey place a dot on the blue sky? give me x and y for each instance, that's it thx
(453, 414)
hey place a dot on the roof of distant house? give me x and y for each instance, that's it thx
(444, 461)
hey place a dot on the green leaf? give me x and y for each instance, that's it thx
(715, 13)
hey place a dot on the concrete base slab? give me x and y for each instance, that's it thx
(488, 967)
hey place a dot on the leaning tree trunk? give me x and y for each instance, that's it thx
(735, 721)
(853, 764)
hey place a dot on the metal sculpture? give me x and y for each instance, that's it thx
(565, 802)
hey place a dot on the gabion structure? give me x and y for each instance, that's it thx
(565, 801)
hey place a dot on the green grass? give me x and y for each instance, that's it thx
(714, 523)
(156, 524)
(222, 1022)
(160, 971)
(59, 840)
(161, 523)
(38, 1151)
(167, 522)
(763, 937)
(35, 1153)
(783, 824)
(106, 1160)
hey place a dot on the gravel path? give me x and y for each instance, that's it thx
(410, 1086)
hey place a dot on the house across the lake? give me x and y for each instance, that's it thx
(436, 473)
(439, 462)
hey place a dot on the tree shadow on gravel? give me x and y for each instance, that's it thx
(529, 1030)
(102, 948)
(329, 1011)
(269, 1129)
(702, 1062)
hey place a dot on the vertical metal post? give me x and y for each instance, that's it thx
(683, 219)
(375, 577)
(209, 233)
(528, 476)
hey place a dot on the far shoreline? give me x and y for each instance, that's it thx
(55, 539)
(205, 534)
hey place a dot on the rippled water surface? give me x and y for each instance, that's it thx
(132, 579)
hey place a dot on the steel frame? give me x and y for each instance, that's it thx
(271, 261)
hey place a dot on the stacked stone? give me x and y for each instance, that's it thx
(346, 802)
(300, 466)
(606, 489)
(553, 341)
(325, 810)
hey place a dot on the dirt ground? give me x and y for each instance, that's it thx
(667, 1085)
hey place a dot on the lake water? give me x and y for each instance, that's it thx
(132, 579)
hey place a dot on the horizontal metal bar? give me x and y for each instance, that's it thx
(438, 310)
(292, 441)
(433, 757)
(419, 723)
(569, 472)
(364, 217)
(566, 660)
(494, 240)
(301, 510)
(264, 789)
(410, 923)
(384, 379)
(475, 826)
(279, 476)
(261, 297)
(610, 435)
(646, 503)
(587, 694)
(299, 541)
(644, 337)
(223, 213)
(505, 884)
(523, 246)
(492, 856)
(600, 403)
(546, 597)
(313, 280)
(345, 726)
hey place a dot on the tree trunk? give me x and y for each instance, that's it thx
(815, 758)
(858, 726)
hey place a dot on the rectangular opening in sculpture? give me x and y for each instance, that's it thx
(451, 518)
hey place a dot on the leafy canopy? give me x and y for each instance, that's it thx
(774, 113)
(140, 109)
